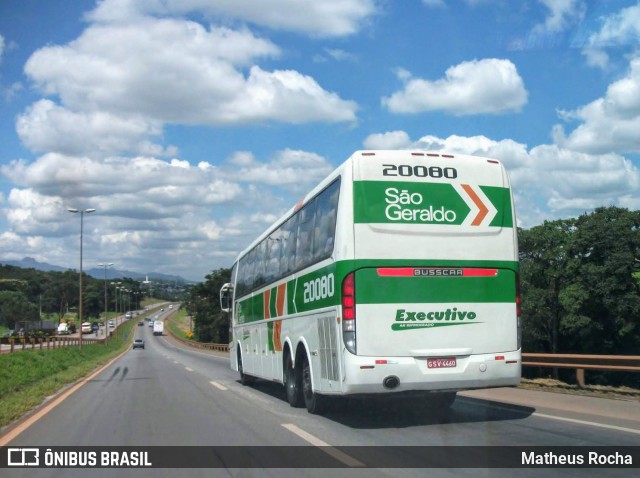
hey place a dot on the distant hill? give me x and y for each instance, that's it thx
(31, 263)
(97, 272)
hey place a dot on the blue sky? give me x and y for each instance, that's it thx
(190, 125)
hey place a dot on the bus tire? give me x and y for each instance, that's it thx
(314, 402)
(292, 384)
(244, 378)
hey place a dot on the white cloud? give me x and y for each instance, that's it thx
(434, 3)
(473, 87)
(562, 14)
(285, 96)
(619, 29)
(1, 47)
(328, 18)
(544, 178)
(45, 126)
(293, 170)
(388, 140)
(610, 123)
(151, 210)
(141, 76)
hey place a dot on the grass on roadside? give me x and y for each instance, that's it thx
(28, 377)
(179, 325)
(550, 385)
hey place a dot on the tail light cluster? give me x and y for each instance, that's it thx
(349, 312)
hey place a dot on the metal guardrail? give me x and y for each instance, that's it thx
(201, 345)
(580, 363)
(191, 343)
(50, 343)
(198, 345)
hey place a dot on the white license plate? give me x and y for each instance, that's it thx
(441, 362)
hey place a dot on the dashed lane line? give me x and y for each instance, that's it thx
(218, 385)
(324, 446)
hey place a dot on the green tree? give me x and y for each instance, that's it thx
(210, 323)
(544, 259)
(605, 296)
(15, 308)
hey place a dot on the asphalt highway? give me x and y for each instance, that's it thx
(166, 395)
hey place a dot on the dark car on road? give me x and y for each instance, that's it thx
(138, 344)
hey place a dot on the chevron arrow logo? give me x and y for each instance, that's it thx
(482, 211)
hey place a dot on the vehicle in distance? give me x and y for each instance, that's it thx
(112, 323)
(158, 327)
(95, 326)
(140, 323)
(138, 344)
(63, 328)
(128, 315)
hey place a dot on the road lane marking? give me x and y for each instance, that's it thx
(219, 386)
(324, 446)
(584, 422)
(188, 369)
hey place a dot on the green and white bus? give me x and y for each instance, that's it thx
(397, 274)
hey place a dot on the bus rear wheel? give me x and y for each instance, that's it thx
(292, 384)
(314, 402)
(244, 378)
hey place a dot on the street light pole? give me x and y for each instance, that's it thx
(106, 304)
(82, 213)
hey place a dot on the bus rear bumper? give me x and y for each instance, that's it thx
(378, 375)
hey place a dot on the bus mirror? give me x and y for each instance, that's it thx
(226, 294)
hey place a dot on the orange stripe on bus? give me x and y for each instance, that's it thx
(483, 210)
(266, 298)
(280, 299)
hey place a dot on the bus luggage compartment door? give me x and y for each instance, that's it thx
(401, 310)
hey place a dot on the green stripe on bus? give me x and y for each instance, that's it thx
(272, 302)
(501, 199)
(373, 289)
(270, 346)
(396, 202)
(251, 308)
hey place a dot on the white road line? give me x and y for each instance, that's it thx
(324, 446)
(217, 385)
(584, 422)
(188, 369)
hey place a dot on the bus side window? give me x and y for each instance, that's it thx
(273, 253)
(325, 224)
(289, 233)
(304, 247)
(242, 287)
(260, 259)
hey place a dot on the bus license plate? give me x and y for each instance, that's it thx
(442, 362)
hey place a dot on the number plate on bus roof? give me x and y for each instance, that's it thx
(441, 362)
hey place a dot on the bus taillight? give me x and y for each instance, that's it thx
(349, 312)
